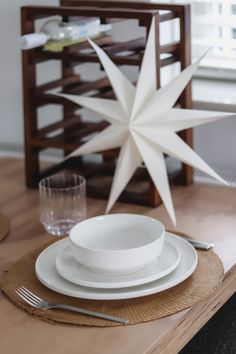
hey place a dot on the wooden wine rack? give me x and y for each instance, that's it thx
(72, 127)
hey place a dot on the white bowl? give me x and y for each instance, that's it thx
(117, 243)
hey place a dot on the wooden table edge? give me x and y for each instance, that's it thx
(194, 319)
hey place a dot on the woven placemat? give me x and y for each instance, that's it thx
(204, 281)
(4, 226)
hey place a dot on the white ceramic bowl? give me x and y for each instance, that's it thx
(117, 243)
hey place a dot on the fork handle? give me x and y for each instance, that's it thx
(91, 313)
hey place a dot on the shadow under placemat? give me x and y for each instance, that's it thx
(218, 336)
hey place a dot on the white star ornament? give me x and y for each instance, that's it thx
(144, 124)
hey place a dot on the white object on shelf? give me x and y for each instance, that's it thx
(33, 40)
(56, 31)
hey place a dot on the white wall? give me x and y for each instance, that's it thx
(11, 128)
(215, 142)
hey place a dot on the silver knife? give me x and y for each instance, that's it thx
(202, 245)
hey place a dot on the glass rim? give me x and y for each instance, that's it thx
(82, 182)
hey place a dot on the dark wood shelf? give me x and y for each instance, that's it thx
(70, 131)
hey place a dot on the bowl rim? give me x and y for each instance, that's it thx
(119, 250)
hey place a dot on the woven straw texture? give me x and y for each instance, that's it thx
(204, 281)
(4, 226)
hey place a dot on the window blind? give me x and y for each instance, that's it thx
(214, 25)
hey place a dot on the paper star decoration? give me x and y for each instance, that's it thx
(144, 124)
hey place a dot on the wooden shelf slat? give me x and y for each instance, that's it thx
(38, 12)
(69, 123)
(177, 9)
(77, 58)
(57, 83)
(80, 88)
(71, 140)
(88, 86)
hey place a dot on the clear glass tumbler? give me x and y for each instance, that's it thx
(62, 202)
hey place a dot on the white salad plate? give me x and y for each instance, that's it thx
(47, 274)
(70, 269)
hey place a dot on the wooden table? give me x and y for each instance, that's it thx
(205, 212)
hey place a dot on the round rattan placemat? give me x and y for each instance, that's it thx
(4, 226)
(201, 283)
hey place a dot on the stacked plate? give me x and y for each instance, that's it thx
(116, 256)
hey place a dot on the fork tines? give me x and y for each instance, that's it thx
(28, 296)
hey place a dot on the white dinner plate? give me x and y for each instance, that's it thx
(47, 274)
(70, 269)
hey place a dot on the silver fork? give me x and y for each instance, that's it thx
(37, 302)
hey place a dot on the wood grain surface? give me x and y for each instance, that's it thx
(204, 212)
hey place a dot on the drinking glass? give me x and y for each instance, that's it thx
(62, 202)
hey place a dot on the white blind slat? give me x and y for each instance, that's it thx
(214, 25)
